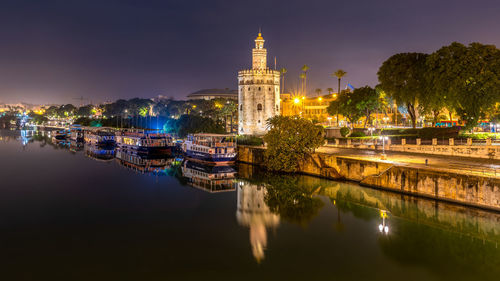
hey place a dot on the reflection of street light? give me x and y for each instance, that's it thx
(383, 228)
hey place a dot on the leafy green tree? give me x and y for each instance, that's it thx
(402, 78)
(85, 110)
(318, 91)
(469, 76)
(329, 90)
(354, 105)
(289, 140)
(191, 124)
(305, 68)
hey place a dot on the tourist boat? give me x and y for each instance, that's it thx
(211, 149)
(209, 178)
(143, 164)
(145, 141)
(61, 135)
(100, 137)
(76, 133)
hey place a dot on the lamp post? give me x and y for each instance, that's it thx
(383, 156)
(329, 120)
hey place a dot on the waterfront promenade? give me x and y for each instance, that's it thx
(451, 164)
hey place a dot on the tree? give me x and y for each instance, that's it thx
(192, 124)
(283, 71)
(85, 110)
(339, 74)
(469, 77)
(354, 105)
(318, 91)
(402, 78)
(329, 90)
(289, 140)
(305, 68)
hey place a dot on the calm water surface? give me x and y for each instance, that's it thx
(69, 212)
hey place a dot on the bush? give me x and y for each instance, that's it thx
(357, 135)
(344, 131)
(249, 140)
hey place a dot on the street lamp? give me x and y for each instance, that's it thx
(383, 156)
(329, 120)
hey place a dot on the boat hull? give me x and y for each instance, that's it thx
(146, 150)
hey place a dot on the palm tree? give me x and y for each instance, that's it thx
(283, 71)
(329, 90)
(302, 78)
(318, 91)
(339, 74)
(305, 68)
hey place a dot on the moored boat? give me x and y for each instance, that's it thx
(145, 141)
(76, 133)
(100, 137)
(61, 135)
(211, 149)
(100, 153)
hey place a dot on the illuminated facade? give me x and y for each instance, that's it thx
(258, 93)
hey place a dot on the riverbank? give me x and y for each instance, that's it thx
(452, 185)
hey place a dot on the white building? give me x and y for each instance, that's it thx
(258, 93)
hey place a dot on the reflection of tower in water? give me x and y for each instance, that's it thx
(253, 212)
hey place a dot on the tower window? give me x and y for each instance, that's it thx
(259, 88)
(241, 107)
(249, 88)
(269, 89)
(259, 106)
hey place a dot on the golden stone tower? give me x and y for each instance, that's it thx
(258, 93)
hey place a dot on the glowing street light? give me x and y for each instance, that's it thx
(296, 101)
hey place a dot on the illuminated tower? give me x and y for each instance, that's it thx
(258, 93)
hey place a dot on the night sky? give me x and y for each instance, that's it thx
(55, 51)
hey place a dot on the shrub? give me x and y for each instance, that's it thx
(357, 135)
(344, 131)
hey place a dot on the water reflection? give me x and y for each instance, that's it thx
(253, 212)
(209, 178)
(143, 164)
(100, 153)
(316, 222)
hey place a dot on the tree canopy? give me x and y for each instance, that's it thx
(289, 140)
(354, 105)
(402, 77)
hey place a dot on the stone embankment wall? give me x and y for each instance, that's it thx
(486, 150)
(454, 187)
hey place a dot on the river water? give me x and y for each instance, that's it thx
(69, 212)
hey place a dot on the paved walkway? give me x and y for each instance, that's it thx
(462, 165)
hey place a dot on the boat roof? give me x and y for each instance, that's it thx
(212, 135)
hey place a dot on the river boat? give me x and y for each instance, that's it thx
(210, 149)
(145, 141)
(208, 178)
(76, 133)
(61, 135)
(100, 137)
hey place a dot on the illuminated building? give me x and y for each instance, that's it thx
(258, 93)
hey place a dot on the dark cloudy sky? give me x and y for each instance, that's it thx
(55, 51)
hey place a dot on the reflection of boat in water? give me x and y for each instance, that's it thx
(100, 137)
(145, 141)
(209, 178)
(143, 163)
(101, 153)
(60, 135)
(76, 133)
(253, 212)
(75, 145)
(211, 149)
